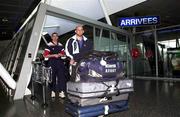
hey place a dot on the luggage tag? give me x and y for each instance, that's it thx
(106, 109)
(103, 62)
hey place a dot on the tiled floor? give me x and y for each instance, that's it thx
(150, 99)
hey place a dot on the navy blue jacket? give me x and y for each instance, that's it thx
(73, 49)
(53, 49)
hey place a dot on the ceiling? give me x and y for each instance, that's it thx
(14, 12)
(54, 24)
(92, 8)
(168, 10)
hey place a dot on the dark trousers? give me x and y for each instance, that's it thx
(73, 72)
(58, 76)
(74, 69)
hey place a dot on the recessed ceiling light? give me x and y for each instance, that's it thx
(167, 16)
(4, 20)
(3, 33)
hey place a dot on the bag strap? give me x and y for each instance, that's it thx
(108, 88)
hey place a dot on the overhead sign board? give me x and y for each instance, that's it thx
(139, 21)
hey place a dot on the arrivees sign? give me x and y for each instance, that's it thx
(139, 21)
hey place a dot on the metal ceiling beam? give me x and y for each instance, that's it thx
(105, 12)
(157, 29)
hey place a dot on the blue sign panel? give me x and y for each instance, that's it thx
(139, 21)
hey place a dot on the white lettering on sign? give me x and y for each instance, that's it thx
(139, 21)
(155, 20)
(110, 65)
(110, 70)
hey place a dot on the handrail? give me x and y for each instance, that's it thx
(6, 77)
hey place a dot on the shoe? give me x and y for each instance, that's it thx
(53, 94)
(62, 95)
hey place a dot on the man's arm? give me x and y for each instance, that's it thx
(62, 53)
(69, 51)
(47, 54)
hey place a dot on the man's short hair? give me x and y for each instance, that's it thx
(79, 26)
(54, 33)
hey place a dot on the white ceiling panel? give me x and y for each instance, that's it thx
(92, 8)
(114, 6)
(88, 8)
(61, 26)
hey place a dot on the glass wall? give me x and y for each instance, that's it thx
(146, 59)
(170, 52)
(167, 56)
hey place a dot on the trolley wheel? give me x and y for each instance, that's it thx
(33, 97)
(44, 105)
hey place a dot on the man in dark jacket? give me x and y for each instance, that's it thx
(53, 52)
(77, 46)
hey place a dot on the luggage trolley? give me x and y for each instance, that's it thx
(41, 75)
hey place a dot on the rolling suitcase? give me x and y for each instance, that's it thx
(94, 101)
(99, 89)
(95, 110)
